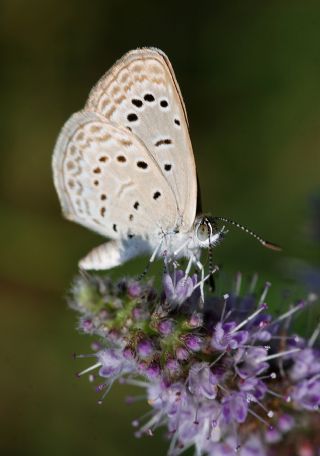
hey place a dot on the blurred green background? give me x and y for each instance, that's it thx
(250, 75)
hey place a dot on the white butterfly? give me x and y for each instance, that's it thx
(124, 167)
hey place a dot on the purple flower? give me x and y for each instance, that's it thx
(235, 408)
(167, 399)
(307, 393)
(285, 423)
(193, 342)
(254, 446)
(272, 435)
(206, 370)
(224, 337)
(251, 362)
(112, 363)
(306, 363)
(251, 446)
(202, 382)
(190, 422)
(257, 388)
(264, 335)
(178, 288)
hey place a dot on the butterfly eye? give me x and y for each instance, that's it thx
(202, 232)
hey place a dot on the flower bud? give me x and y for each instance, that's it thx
(193, 342)
(196, 320)
(165, 327)
(172, 366)
(182, 354)
(145, 348)
(134, 289)
(87, 325)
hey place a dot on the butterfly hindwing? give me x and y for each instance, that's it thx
(140, 92)
(109, 182)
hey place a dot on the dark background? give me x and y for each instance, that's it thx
(250, 75)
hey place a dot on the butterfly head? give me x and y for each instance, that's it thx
(208, 234)
(206, 231)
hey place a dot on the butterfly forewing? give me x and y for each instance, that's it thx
(140, 92)
(109, 182)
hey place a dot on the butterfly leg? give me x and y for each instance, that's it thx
(188, 268)
(175, 254)
(151, 260)
(212, 283)
(201, 283)
(203, 279)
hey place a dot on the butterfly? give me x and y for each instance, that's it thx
(124, 167)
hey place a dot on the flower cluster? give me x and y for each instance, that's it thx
(222, 376)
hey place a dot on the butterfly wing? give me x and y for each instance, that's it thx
(140, 92)
(109, 182)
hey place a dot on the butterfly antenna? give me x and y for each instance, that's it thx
(212, 283)
(269, 245)
(144, 272)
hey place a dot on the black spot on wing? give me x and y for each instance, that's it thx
(161, 142)
(132, 117)
(149, 97)
(137, 103)
(142, 164)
